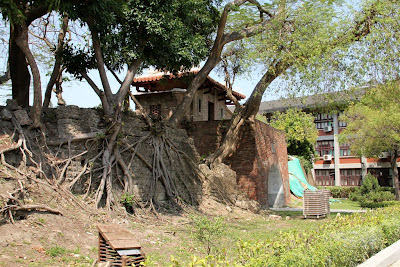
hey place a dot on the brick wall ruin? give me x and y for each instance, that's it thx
(260, 161)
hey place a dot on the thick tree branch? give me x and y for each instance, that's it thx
(57, 65)
(22, 42)
(100, 61)
(7, 76)
(125, 86)
(220, 40)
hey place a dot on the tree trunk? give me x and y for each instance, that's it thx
(19, 72)
(395, 176)
(197, 81)
(57, 65)
(22, 41)
(243, 114)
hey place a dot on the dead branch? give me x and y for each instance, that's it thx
(37, 207)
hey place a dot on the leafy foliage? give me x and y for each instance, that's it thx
(346, 241)
(164, 34)
(208, 231)
(300, 130)
(373, 124)
(370, 184)
(371, 195)
(342, 191)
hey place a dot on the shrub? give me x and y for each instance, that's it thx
(341, 191)
(346, 241)
(355, 196)
(373, 205)
(208, 231)
(370, 184)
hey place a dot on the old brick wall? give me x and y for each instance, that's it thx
(206, 135)
(261, 152)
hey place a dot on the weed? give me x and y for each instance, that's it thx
(61, 234)
(208, 231)
(41, 220)
(26, 242)
(55, 251)
(77, 250)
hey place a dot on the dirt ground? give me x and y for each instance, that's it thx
(71, 239)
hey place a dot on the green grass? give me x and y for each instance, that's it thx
(337, 204)
(345, 204)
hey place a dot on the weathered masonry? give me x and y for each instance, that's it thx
(159, 94)
(260, 160)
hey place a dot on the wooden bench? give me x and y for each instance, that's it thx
(118, 246)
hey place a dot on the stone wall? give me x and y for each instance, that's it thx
(260, 160)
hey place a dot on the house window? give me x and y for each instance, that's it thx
(342, 124)
(345, 150)
(155, 110)
(324, 148)
(323, 119)
(222, 113)
(350, 177)
(199, 105)
(325, 177)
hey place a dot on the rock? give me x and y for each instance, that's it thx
(273, 217)
(22, 117)
(6, 115)
(287, 218)
(222, 182)
(229, 209)
(12, 104)
(250, 205)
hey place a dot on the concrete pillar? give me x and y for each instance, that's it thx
(363, 167)
(336, 148)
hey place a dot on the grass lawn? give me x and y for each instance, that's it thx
(183, 245)
(335, 203)
(345, 204)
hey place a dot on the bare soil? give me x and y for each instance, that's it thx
(44, 239)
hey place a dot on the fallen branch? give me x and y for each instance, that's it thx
(37, 207)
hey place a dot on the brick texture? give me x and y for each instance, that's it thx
(260, 149)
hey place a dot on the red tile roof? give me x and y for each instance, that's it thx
(157, 77)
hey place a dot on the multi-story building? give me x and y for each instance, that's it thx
(334, 165)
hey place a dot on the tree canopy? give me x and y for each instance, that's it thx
(300, 131)
(373, 125)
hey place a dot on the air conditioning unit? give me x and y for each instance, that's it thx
(384, 155)
(327, 157)
(328, 128)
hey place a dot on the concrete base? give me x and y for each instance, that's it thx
(387, 257)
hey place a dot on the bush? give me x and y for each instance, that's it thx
(346, 241)
(366, 204)
(341, 191)
(370, 184)
(355, 196)
(208, 232)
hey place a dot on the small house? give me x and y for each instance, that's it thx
(159, 94)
